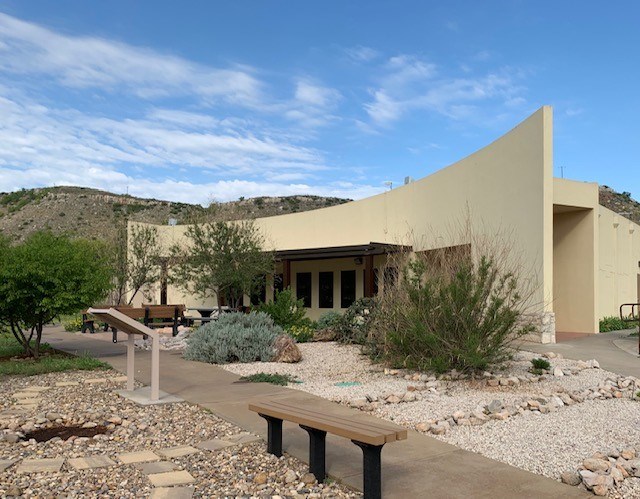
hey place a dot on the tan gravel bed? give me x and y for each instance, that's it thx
(546, 444)
(245, 470)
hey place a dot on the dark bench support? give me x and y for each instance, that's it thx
(274, 435)
(372, 469)
(317, 454)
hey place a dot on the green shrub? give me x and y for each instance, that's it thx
(301, 334)
(613, 323)
(329, 320)
(353, 326)
(540, 364)
(234, 337)
(457, 313)
(274, 379)
(285, 310)
(73, 324)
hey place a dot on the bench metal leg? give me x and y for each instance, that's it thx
(372, 470)
(274, 435)
(114, 335)
(317, 454)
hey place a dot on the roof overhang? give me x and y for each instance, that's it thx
(371, 248)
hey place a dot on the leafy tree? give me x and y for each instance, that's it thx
(135, 260)
(222, 259)
(45, 277)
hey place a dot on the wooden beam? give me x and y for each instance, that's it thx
(286, 274)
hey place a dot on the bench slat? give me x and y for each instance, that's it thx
(381, 426)
(347, 428)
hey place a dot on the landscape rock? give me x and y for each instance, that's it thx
(286, 350)
(571, 478)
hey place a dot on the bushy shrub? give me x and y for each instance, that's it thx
(538, 365)
(73, 324)
(329, 320)
(234, 337)
(301, 334)
(353, 326)
(458, 312)
(285, 310)
(613, 323)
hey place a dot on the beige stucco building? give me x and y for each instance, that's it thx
(584, 257)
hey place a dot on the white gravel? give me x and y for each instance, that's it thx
(547, 444)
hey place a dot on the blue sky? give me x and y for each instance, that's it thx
(196, 101)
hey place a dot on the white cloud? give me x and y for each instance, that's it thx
(85, 62)
(410, 84)
(361, 53)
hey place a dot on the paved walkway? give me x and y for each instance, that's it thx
(615, 351)
(418, 467)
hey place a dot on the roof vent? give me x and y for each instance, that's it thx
(408, 180)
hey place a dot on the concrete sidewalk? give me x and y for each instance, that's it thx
(615, 351)
(418, 467)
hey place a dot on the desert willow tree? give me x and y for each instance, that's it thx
(221, 259)
(136, 261)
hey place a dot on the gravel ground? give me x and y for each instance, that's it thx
(547, 444)
(235, 471)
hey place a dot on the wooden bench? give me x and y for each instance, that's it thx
(370, 437)
(152, 316)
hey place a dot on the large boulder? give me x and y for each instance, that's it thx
(326, 334)
(286, 350)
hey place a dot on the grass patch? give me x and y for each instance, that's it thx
(274, 379)
(50, 361)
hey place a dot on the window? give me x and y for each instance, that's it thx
(278, 284)
(347, 288)
(303, 288)
(325, 289)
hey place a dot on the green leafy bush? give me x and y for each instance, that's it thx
(274, 379)
(73, 324)
(234, 337)
(613, 323)
(285, 310)
(538, 365)
(301, 334)
(329, 320)
(453, 312)
(353, 326)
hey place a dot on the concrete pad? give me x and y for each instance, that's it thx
(27, 407)
(40, 465)
(180, 451)
(67, 383)
(243, 438)
(24, 395)
(171, 478)
(15, 411)
(215, 444)
(144, 456)
(172, 493)
(91, 462)
(142, 396)
(95, 381)
(156, 467)
(37, 389)
(5, 463)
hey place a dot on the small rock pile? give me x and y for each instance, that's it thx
(602, 472)
(613, 387)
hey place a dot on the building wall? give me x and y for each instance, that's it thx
(619, 271)
(505, 187)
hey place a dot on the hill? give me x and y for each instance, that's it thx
(92, 213)
(620, 202)
(95, 214)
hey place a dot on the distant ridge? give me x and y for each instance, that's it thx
(93, 213)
